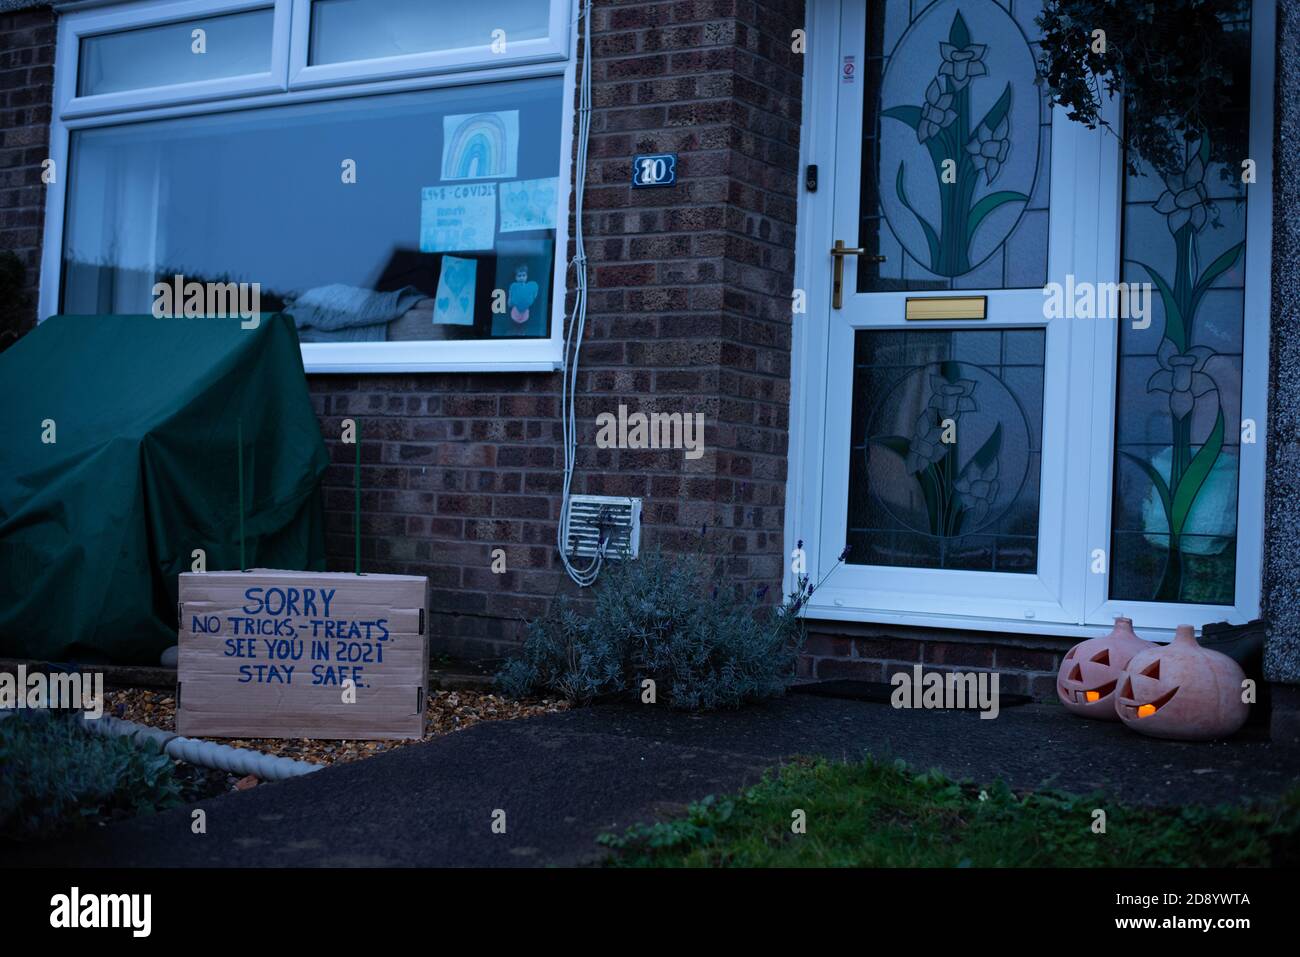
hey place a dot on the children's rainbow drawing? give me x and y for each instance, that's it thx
(480, 145)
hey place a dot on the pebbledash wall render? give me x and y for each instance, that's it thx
(690, 310)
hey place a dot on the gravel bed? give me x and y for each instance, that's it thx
(448, 711)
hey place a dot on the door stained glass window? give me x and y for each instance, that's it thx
(1178, 410)
(947, 446)
(956, 147)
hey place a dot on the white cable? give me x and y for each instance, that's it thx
(577, 324)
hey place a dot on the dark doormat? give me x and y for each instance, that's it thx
(880, 692)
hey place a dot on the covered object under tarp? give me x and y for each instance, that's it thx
(118, 460)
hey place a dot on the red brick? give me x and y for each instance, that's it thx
(951, 653)
(828, 646)
(887, 649)
(689, 305)
(27, 39)
(1043, 687)
(1026, 659)
(831, 668)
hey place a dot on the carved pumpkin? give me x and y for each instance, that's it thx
(1182, 691)
(1092, 669)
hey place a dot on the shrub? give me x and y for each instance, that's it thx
(1181, 68)
(660, 618)
(55, 775)
(15, 303)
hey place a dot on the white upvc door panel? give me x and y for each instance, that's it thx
(1083, 167)
(1069, 589)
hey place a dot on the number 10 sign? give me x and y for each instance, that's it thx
(654, 169)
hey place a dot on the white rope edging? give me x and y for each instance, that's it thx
(205, 754)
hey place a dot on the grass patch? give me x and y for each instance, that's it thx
(879, 814)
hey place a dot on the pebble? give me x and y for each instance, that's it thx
(448, 711)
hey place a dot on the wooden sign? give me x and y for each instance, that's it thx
(284, 654)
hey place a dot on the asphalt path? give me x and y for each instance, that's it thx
(565, 778)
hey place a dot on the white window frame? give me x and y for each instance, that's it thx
(554, 46)
(73, 28)
(363, 78)
(805, 505)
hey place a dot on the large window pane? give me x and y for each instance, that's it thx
(344, 30)
(455, 197)
(947, 448)
(1178, 408)
(237, 44)
(956, 150)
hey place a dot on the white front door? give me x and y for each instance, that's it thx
(948, 427)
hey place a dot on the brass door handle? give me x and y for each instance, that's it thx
(838, 252)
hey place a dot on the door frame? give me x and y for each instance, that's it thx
(809, 366)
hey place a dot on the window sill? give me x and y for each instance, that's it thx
(539, 355)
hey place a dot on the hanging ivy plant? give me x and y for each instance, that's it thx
(1181, 68)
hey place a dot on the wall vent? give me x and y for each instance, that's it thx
(593, 518)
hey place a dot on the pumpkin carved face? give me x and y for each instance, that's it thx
(1182, 691)
(1092, 669)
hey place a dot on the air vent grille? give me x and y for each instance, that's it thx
(593, 518)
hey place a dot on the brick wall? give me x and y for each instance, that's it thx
(689, 311)
(26, 89)
(1025, 664)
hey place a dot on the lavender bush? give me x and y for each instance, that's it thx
(662, 618)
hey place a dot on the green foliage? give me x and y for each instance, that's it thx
(658, 618)
(14, 301)
(55, 776)
(880, 814)
(1182, 68)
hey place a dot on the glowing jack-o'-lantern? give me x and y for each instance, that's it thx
(1182, 691)
(1092, 669)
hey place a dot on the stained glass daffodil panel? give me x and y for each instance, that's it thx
(946, 449)
(956, 147)
(1178, 426)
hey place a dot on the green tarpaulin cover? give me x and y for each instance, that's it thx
(118, 459)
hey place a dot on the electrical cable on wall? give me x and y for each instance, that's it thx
(576, 326)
